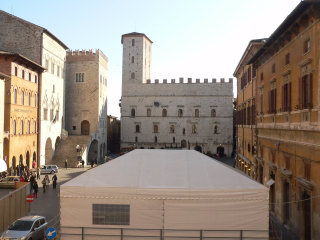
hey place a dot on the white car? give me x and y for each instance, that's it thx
(49, 169)
(26, 228)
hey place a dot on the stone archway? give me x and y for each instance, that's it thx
(28, 159)
(93, 152)
(48, 151)
(57, 142)
(220, 151)
(183, 144)
(85, 127)
(198, 148)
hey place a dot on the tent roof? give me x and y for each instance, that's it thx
(163, 169)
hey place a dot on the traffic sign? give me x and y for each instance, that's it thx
(29, 198)
(51, 233)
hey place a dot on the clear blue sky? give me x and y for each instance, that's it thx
(192, 38)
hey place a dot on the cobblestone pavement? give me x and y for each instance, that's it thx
(48, 204)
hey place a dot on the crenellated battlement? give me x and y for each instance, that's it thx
(85, 54)
(189, 80)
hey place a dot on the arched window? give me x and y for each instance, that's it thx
(196, 113)
(171, 128)
(213, 112)
(133, 112)
(14, 127)
(164, 112)
(29, 99)
(180, 113)
(35, 126)
(22, 98)
(15, 96)
(35, 100)
(155, 139)
(21, 126)
(148, 112)
(132, 76)
(155, 128)
(132, 59)
(28, 131)
(137, 128)
(215, 129)
(194, 128)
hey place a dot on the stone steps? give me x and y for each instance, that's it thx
(67, 150)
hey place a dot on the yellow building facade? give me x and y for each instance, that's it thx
(288, 122)
(21, 110)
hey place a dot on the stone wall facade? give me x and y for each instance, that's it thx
(2, 94)
(86, 98)
(195, 115)
(42, 47)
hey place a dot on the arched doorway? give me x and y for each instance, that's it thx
(57, 143)
(85, 127)
(93, 152)
(34, 158)
(220, 151)
(198, 148)
(14, 164)
(28, 159)
(183, 143)
(48, 151)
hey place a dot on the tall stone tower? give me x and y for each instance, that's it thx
(136, 63)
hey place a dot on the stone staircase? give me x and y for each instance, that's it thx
(67, 150)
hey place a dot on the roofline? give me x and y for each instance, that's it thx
(43, 29)
(299, 9)
(5, 53)
(134, 34)
(4, 76)
(261, 40)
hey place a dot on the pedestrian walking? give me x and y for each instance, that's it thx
(47, 180)
(66, 164)
(38, 173)
(82, 163)
(44, 184)
(32, 179)
(35, 189)
(34, 164)
(54, 181)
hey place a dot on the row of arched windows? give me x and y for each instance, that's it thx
(180, 112)
(25, 127)
(22, 99)
(172, 129)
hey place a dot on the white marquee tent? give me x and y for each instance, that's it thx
(167, 189)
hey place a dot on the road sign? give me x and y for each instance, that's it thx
(29, 198)
(51, 233)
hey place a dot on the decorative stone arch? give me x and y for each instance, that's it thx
(85, 127)
(220, 151)
(198, 148)
(48, 151)
(58, 139)
(183, 144)
(93, 152)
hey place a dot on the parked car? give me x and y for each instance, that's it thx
(9, 181)
(28, 227)
(49, 169)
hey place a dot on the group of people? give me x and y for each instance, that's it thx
(45, 184)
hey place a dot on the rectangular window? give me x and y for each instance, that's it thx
(47, 64)
(273, 68)
(287, 59)
(45, 114)
(305, 92)
(286, 97)
(261, 76)
(58, 71)
(306, 46)
(52, 68)
(111, 214)
(132, 42)
(272, 101)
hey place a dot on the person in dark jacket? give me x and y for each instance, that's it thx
(54, 181)
(35, 189)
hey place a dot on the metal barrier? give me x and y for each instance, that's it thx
(86, 233)
(13, 206)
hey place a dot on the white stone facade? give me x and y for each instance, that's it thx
(52, 96)
(194, 115)
(86, 98)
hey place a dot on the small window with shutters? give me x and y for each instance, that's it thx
(305, 92)
(287, 59)
(306, 46)
(286, 94)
